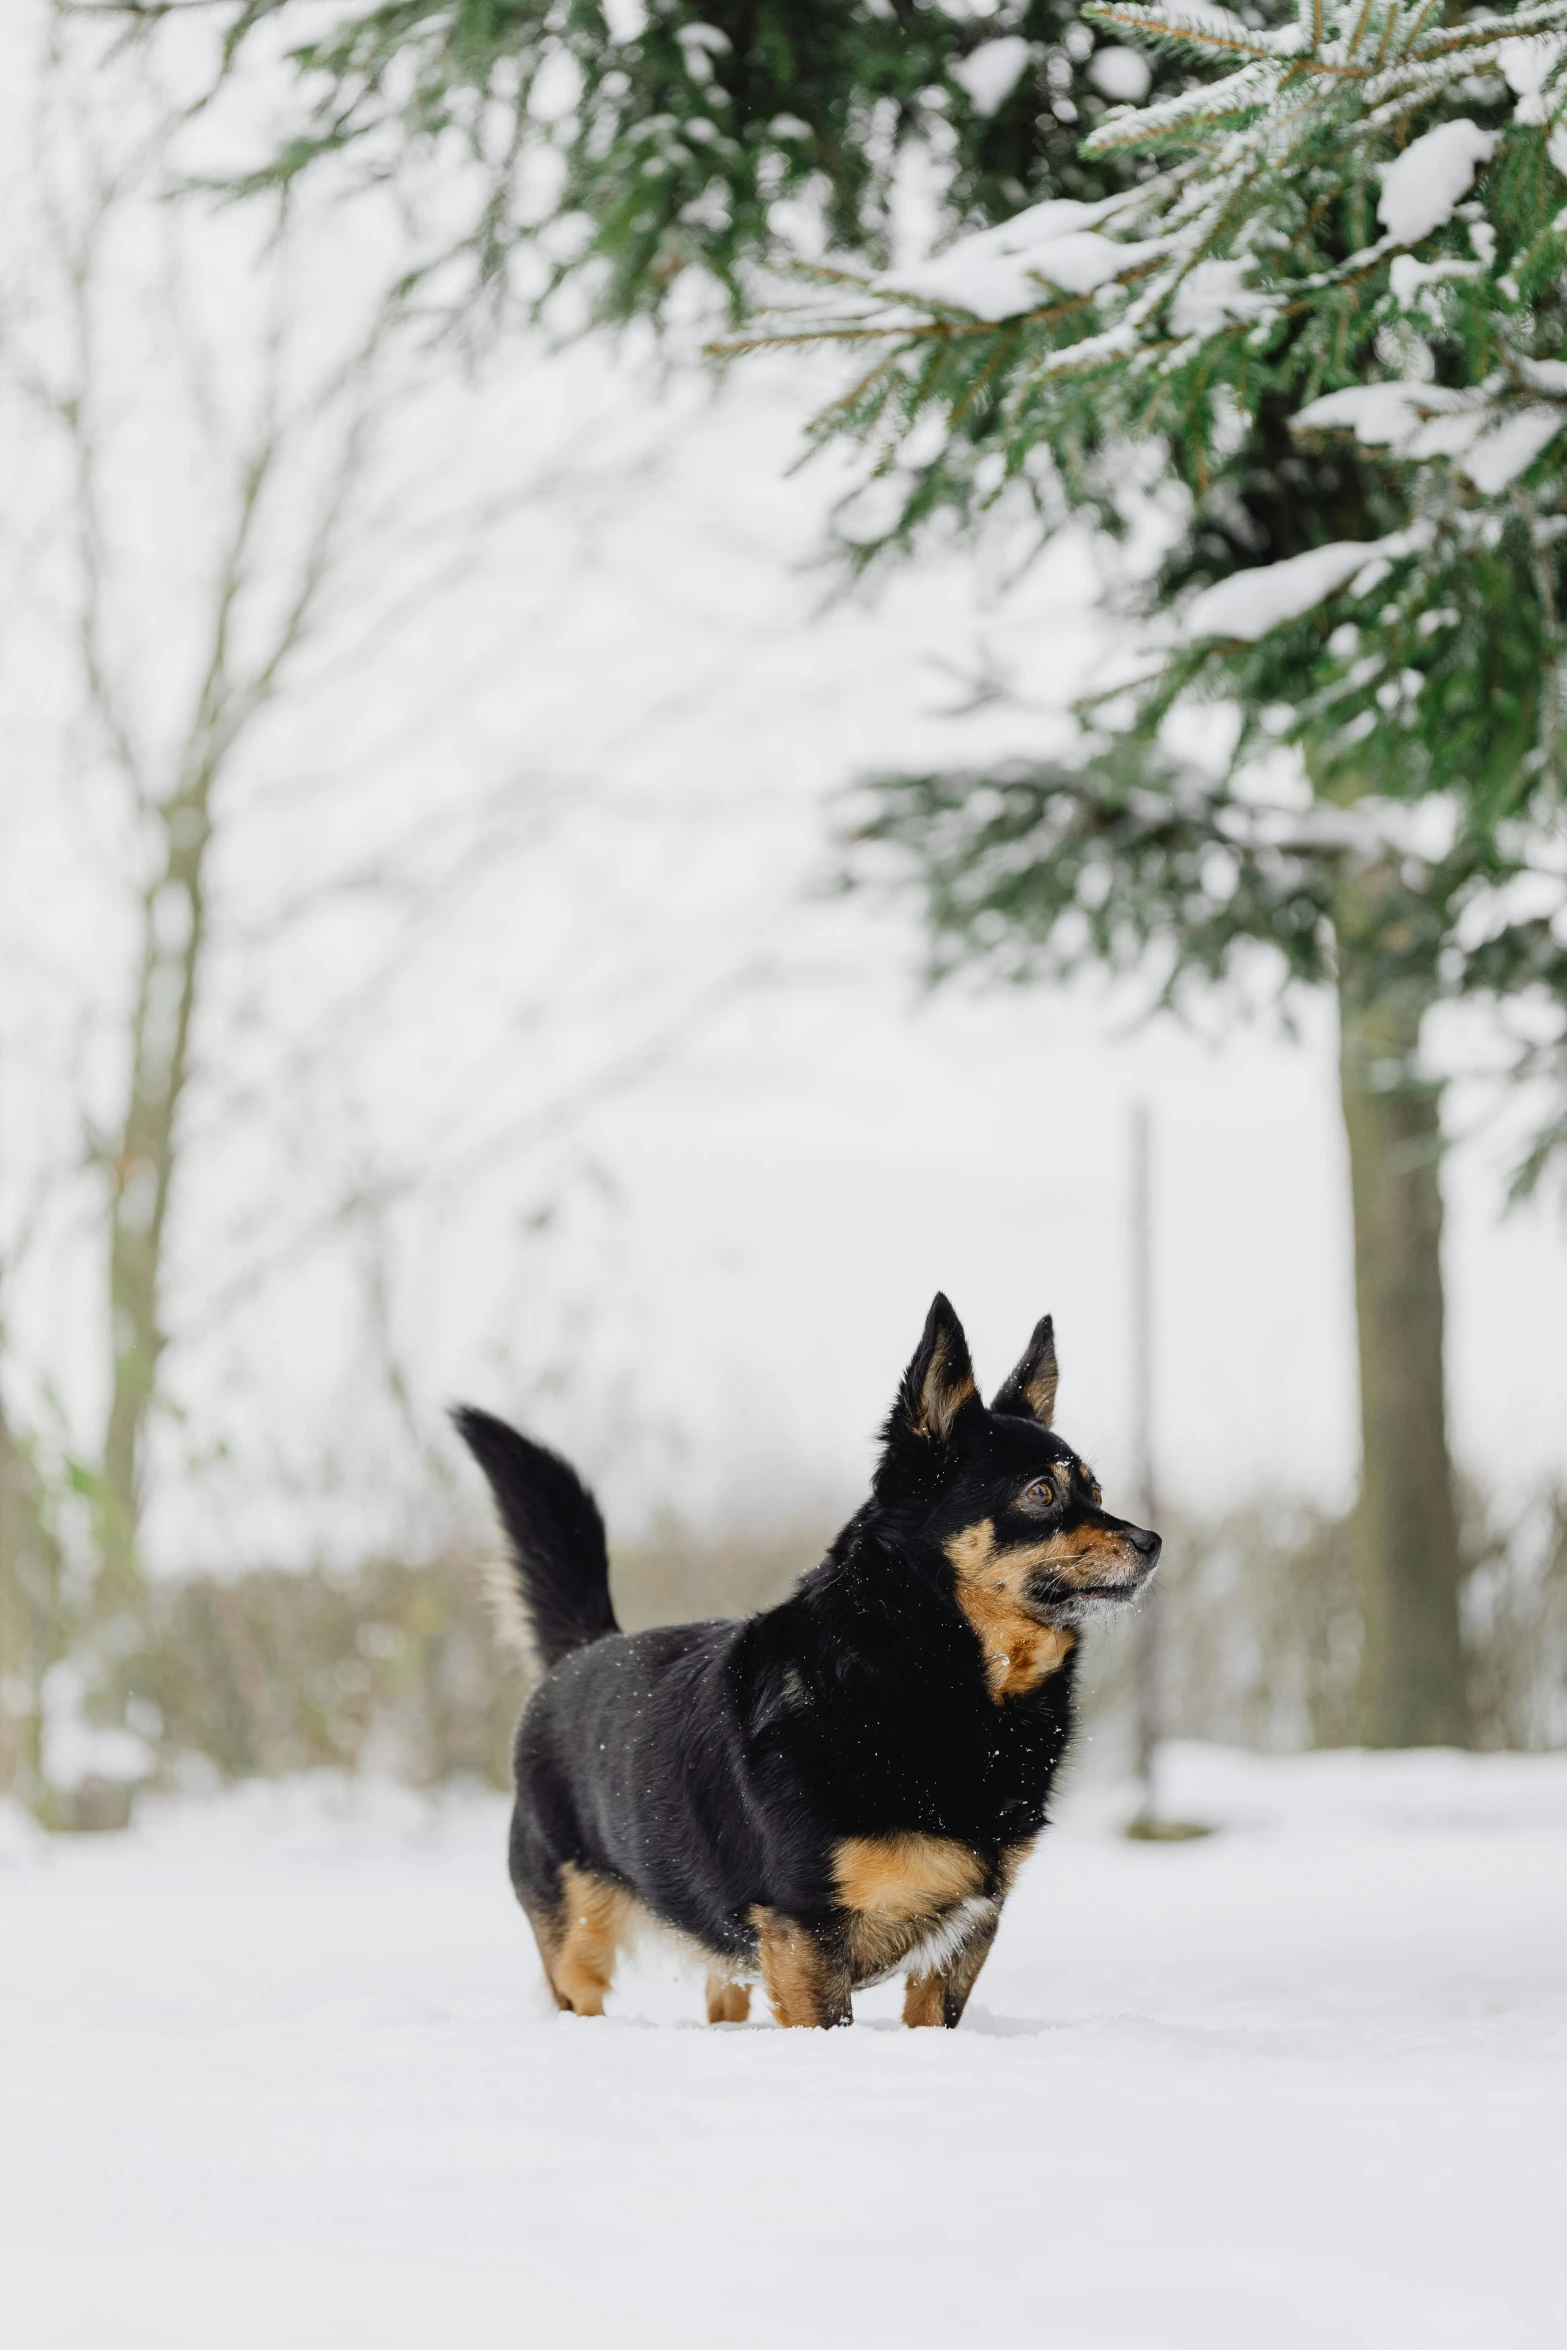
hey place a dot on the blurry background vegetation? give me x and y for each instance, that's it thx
(392, 1668)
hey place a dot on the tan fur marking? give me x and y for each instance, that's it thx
(1091, 1552)
(807, 1978)
(496, 1581)
(1086, 1555)
(580, 1944)
(728, 2002)
(1033, 1384)
(544, 1935)
(877, 1944)
(924, 2001)
(1040, 1392)
(905, 1876)
(942, 1398)
(940, 1998)
(1020, 1652)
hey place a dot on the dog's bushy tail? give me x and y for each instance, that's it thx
(556, 1535)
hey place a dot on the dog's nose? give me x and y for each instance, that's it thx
(1147, 1545)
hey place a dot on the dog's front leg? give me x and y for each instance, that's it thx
(805, 1968)
(941, 1999)
(728, 2002)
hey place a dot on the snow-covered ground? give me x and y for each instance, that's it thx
(277, 2070)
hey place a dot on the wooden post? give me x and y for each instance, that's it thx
(1148, 1823)
(1146, 1665)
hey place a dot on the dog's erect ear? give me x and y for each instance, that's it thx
(938, 1382)
(1030, 1392)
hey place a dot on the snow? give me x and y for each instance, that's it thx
(1526, 66)
(990, 72)
(1202, 17)
(1435, 172)
(999, 271)
(1384, 415)
(75, 1750)
(1203, 23)
(1212, 295)
(1407, 275)
(1122, 74)
(278, 2069)
(703, 36)
(1491, 445)
(1509, 448)
(1250, 603)
(626, 20)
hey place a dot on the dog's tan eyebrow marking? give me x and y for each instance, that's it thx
(1019, 1651)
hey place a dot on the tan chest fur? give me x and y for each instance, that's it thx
(917, 1899)
(905, 1876)
(1019, 1651)
(898, 1890)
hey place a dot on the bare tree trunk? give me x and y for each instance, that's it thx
(253, 445)
(30, 1629)
(1406, 1524)
(141, 1169)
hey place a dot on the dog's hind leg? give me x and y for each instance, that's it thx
(806, 1969)
(547, 1935)
(941, 1998)
(728, 2002)
(580, 1940)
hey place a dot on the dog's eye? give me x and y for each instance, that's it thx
(1041, 1495)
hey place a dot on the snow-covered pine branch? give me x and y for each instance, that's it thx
(1334, 316)
(1358, 244)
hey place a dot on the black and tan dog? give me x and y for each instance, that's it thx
(843, 1787)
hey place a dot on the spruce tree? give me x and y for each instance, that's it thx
(1336, 310)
